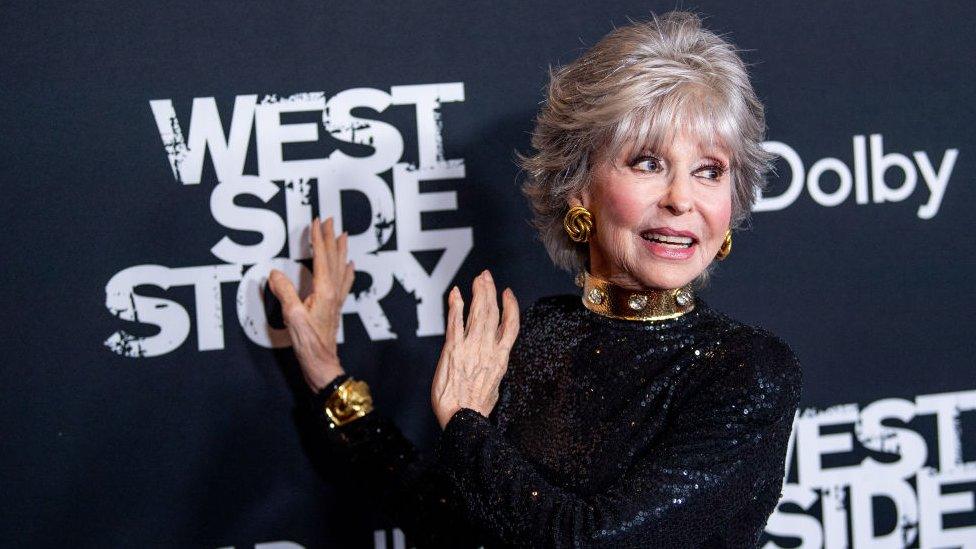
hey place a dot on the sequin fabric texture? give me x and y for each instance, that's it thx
(607, 433)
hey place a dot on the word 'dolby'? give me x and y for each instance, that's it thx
(866, 183)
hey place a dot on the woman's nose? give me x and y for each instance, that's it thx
(678, 197)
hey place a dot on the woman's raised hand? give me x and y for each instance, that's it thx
(475, 356)
(314, 322)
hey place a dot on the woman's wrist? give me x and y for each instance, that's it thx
(321, 377)
(334, 384)
(343, 400)
(318, 398)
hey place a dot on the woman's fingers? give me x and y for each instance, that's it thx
(342, 249)
(455, 316)
(484, 319)
(453, 333)
(475, 318)
(284, 290)
(328, 235)
(319, 265)
(509, 327)
(347, 279)
(329, 255)
(490, 307)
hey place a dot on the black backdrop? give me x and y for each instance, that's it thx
(141, 405)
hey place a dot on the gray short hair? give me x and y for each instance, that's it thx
(637, 85)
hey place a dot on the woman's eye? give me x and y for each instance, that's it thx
(647, 164)
(711, 172)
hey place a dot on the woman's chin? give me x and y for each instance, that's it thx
(666, 277)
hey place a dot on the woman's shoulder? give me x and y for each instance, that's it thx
(548, 306)
(548, 312)
(762, 347)
(752, 345)
(554, 303)
(761, 359)
(746, 357)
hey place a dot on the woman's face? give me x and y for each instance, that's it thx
(641, 194)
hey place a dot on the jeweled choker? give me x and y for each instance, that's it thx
(608, 299)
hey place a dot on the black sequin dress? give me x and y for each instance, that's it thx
(607, 433)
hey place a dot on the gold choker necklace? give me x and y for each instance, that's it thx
(608, 299)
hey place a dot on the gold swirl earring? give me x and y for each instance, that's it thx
(726, 248)
(578, 224)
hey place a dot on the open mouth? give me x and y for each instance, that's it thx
(677, 242)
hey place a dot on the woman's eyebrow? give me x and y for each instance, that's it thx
(721, 159)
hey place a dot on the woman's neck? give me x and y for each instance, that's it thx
(648, 304)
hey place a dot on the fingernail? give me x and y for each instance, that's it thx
(487, 274)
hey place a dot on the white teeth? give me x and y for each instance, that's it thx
(670, 239)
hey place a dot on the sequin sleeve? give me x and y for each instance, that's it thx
(404, 482)
(724, 446)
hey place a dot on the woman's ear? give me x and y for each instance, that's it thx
(581, 198)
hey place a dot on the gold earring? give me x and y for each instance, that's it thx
(578, 223)
(726, 248)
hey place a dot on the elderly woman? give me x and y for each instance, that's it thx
(633, 415)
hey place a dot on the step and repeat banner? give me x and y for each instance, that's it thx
(159, 160)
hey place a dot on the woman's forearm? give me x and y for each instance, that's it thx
(404, 482)
(407, 485)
